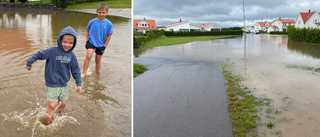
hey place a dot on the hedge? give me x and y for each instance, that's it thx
(278, 32)
(304, 35)
(154, 34)
(203, 33)
(149, 36)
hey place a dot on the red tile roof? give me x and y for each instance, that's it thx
(262, 24)
(287, 20)
(204, 26)
(273, 26)
(172, 23)
(152, 24)
(306, 16)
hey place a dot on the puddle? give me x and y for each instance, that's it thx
(271, 66)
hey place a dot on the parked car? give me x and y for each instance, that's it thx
(256, 32)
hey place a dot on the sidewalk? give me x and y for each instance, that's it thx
(126, 13)
(180, 98)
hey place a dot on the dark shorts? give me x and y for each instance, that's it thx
(98, 50)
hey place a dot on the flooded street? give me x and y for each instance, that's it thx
(271, 66)
(104, 106)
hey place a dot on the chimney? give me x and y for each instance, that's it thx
(279, 18)
(309, 10)
(144, 18)
(180, 20)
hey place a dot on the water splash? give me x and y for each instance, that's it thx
(35, 120)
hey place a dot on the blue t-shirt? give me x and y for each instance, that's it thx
(98, 31)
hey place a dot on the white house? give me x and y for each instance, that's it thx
(318, 25)
(180, 26)
(263, 26)
(210, 27)
(307, 20)
(248, 29)
(144, 25)
(270, 27)
(283, 24)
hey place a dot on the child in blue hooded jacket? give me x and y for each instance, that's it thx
(60, 61)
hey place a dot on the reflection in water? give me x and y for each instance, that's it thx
(304, 48)
(102, 109)
(294, 92)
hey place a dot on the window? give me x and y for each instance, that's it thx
(299, 22)
(142, 24)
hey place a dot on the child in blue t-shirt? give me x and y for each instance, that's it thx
(99, 31)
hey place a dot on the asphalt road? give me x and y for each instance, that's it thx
(177, 98)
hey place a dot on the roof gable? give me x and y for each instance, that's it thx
(306, 16)
(151, 24)
(263, 24)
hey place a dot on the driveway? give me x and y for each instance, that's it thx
(178, 98)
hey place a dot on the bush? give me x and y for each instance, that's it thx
(304, 35)
(149, 36)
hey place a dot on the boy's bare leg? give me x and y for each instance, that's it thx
(87, 62)
(98, 63)
(62, 106)
(50, 111)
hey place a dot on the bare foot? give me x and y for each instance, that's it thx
(83, 75)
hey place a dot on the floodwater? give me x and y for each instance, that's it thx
(104, 106)
(271, 66)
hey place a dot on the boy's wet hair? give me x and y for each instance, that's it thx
(102, 6)
(68, 36)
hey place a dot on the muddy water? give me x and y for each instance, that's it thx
(271, 66)
(104, 106)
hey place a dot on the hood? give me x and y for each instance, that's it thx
(68, 30)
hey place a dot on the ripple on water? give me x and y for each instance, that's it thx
(34, 120)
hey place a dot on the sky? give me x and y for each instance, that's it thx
(221, 13)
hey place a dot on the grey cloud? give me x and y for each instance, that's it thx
(225, 13)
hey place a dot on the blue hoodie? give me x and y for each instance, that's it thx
(59, 62)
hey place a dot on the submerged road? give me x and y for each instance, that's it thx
(180, 98)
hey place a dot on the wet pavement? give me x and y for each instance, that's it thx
(180, 98)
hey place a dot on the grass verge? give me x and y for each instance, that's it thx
(16, 1)
(138, 69)
(93, 5)
(313, 69)
(242, 105)
(168, 41)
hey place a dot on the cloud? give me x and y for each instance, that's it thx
(223, 13)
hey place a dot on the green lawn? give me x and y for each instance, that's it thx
(40, 1)
(93, 5)
(168, 41)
